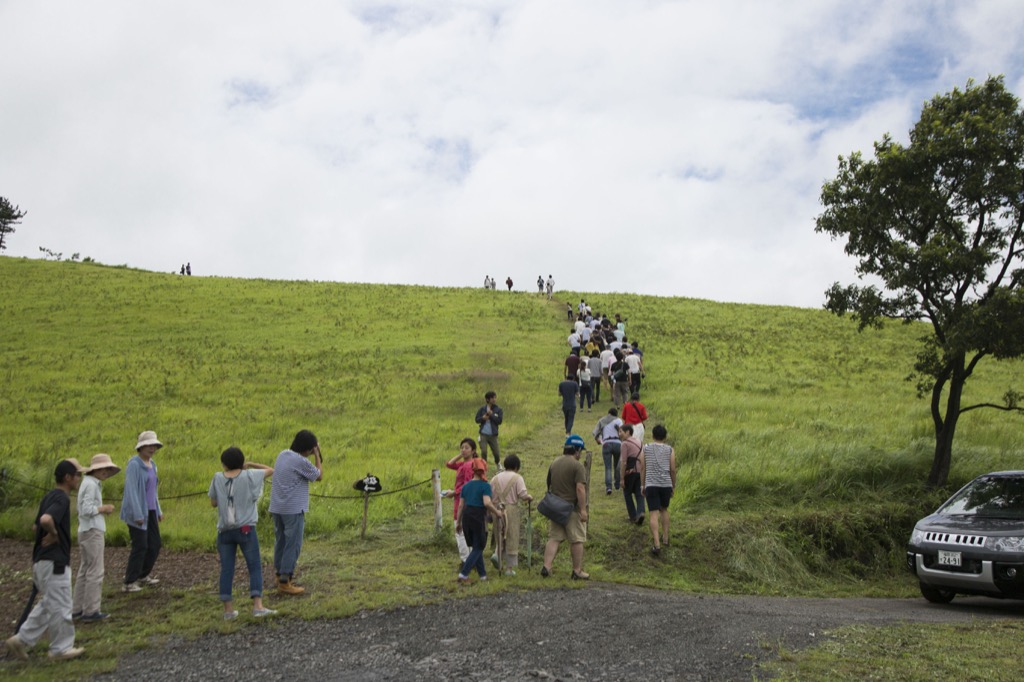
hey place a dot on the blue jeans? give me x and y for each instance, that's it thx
(228, 542)
(610, 451)
(288, 529)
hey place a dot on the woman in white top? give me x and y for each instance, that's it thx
(92, 529)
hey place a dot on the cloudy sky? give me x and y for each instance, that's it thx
(664, 147)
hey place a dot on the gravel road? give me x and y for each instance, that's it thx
(599, 632)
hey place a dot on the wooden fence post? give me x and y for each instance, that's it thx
(435, 477)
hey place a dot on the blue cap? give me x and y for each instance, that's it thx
(575, 441)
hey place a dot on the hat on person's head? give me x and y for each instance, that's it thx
(147, 438)
(480, 466)
(575, 441)
(67, 467)
(101, 461)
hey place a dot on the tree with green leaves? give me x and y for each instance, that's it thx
(937, 224)
(10, 215)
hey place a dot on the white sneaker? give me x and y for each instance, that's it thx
(230, 615)
(260, 613)
(131, 587)
(149, 580)
(67, 654)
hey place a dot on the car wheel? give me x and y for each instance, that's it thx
(937, 595)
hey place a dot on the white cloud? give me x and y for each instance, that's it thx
(659, 147)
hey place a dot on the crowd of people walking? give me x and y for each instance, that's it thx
(601, 359)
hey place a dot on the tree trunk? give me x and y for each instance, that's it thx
(945, 429)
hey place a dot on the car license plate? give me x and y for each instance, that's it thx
(949, 558)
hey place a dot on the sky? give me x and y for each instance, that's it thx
(672, 148)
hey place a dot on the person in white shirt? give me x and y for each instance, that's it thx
(92, 529)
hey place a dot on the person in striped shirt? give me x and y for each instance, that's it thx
(294, 470)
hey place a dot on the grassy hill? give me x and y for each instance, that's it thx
(802, 449)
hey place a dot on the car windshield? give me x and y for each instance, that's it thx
(1000, 497)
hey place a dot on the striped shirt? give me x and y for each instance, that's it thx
(289, 492)
(657, 458)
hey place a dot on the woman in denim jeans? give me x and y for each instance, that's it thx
(234, 492)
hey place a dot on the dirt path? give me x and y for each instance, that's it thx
(599, 632)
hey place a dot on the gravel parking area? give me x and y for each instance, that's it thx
(599, 632)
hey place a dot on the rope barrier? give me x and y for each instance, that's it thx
(359, 497)
(5, 476)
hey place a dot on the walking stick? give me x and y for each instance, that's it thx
(529, 534)
(28, 607)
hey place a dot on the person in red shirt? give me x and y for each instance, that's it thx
(634, 412)
(463, 467)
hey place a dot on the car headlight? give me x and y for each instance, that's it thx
(917, 537)
(1014, 543)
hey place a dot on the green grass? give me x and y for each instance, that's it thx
(802, 449)
(972, 651)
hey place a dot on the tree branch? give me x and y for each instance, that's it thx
(1004, 408)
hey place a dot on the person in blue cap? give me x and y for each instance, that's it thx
(567, 478)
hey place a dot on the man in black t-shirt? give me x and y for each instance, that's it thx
(51, 574)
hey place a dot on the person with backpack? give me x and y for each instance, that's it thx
(234, 492)
(619, 372)
(630, 458)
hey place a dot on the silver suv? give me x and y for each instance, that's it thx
(974, 542)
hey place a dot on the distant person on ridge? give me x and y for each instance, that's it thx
(508, 283)
(551, 287)
(289, 503)
(540, 284)
(489, 418)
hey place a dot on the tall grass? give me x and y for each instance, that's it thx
(768, 407)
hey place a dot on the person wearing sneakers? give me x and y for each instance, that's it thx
(658, 483)
(235, 492)
(567, 478)
(474, 504)
(51, 573)
(92, 529)
(140, 509)
(289, 502)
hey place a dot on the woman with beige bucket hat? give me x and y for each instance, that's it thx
(92, 527)
(140, 509)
